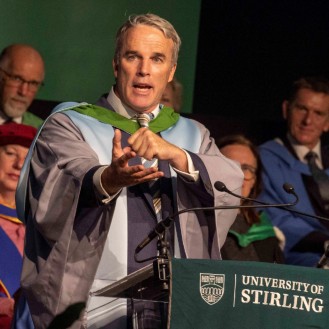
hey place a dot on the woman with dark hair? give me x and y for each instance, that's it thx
(252, 236)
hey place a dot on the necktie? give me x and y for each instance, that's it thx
(143, 120)
(319, 175)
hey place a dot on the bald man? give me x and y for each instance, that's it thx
(21, 74)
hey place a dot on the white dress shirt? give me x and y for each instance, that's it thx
(122, 109)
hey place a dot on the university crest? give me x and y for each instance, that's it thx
(212, 287)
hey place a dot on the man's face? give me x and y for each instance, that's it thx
(144, 69)
(15, 99)
(308, 116)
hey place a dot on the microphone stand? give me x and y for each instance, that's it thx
(324, 260)
(288, 189)
(163, 225)
(161, 263)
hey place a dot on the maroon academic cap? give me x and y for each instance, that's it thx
(16, 133)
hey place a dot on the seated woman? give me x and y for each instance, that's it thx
(251, 237)
(15, 140)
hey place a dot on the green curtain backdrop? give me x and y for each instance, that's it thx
(76, 39)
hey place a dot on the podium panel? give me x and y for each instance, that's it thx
(243, 295)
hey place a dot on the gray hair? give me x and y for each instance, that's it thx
(149, 20)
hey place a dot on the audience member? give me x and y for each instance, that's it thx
(21, 75)
(173, 95)
(90, 200)
(286, 160)
(15, 140)
(252, 236)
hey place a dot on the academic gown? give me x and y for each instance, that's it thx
(67, 225)
(281, 166)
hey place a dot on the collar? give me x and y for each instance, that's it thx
(124, 110)
(4, 118)
(166, 118)
(258, 231)
(9, 213)
(302, 150)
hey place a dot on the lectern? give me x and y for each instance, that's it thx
(148, 286)
(230, 294)
(149, 283)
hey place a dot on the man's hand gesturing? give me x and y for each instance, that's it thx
(149, 145)
(119, 174)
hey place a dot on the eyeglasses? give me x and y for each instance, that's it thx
(248, 171)
(17, 81)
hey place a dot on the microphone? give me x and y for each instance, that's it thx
(325, 257)
(220, 186)
(165, 223)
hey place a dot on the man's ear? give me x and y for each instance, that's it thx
(285, 109)
(115, 68)
(172, 73)
(326, 127)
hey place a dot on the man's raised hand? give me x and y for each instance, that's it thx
(120, 174)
